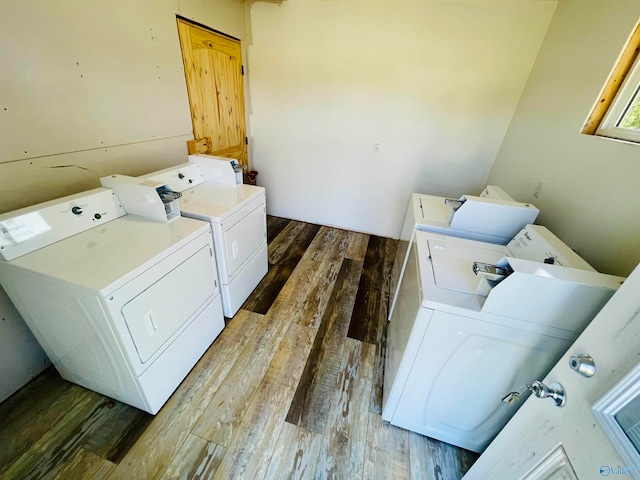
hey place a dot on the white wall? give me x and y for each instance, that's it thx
(592, 195)
(88, 88)
(434, 82)
(92, 88)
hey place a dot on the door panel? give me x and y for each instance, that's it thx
(539, 426)
(155, 315)
(213, 71)
(243, 239)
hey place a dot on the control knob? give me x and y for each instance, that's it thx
(76, 210)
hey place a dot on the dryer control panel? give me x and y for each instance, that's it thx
(535, 241)
(178, 178)
(28, 229)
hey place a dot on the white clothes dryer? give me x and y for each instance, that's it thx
(461, 338)
(122, 305)
(238, 219)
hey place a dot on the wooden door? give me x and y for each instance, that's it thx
(213, 70)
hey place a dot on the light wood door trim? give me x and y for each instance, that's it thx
(620, 71)
(214, 75)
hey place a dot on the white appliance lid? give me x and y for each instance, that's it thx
(106, 257)
(431, 210)
(214, 201)
(452, 262)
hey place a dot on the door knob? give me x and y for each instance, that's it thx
(555, 392)
(583, 364)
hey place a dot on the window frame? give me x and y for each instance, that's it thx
(622, 101)
(607, 102)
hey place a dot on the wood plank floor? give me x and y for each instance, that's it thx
(292, 388)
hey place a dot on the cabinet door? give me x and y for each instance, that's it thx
(214, 75)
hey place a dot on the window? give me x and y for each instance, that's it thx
(622, 120)
(617, 111)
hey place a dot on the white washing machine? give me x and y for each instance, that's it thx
(122, 305)
(492, 217)
(238, 219)
(459, 341)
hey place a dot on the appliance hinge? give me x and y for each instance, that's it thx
(246, 140)
(242, 66)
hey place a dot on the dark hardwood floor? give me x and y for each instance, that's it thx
(292, 388)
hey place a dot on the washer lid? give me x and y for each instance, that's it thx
(215, 201)
(452, 262)
(431, 211)
(106, 257)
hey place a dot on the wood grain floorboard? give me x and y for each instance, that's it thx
(18, 431)
(387, 451)
(307, 290)
(311, 402)
(306, 348)
(57, 447)
(434, 460)
(228, 405)
(117, 435)
(299, 298)
(84, 465)
(197, 459)
(268, 289)
(290, 244)
(295, 455)
(390, 249)
(152, 453)
(357, 246)
(285, 251)
(250, 453)
(345, 439)
(364, 323)
(274, 226)
(297, 249)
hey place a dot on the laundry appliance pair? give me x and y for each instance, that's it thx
(472, 321)
(123, 292)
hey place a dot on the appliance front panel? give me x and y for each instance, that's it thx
(463, 368)
(243, 235)
(155, 315)
(238, 290)
(165, 374)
